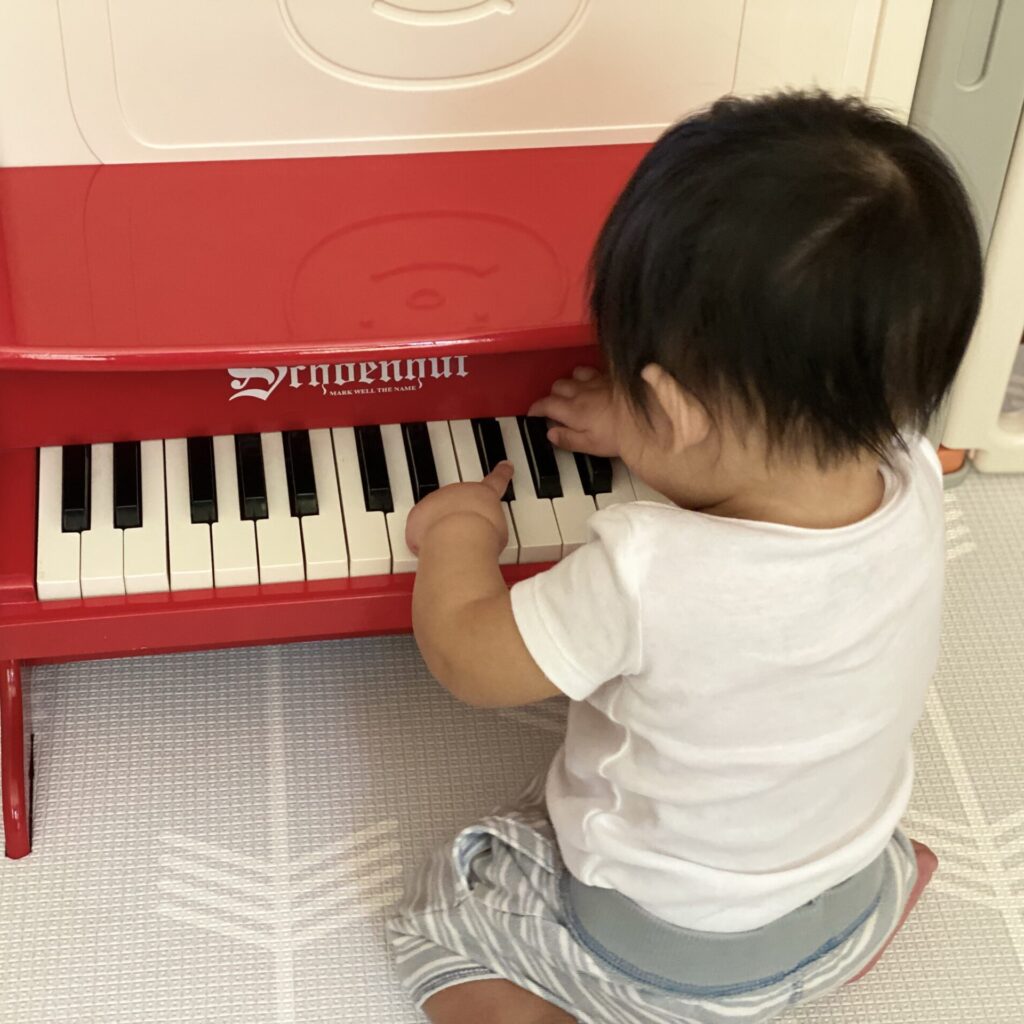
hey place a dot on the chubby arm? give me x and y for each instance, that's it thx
(461, 609)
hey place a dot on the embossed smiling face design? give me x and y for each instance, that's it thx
(426, 274)
(429, 44)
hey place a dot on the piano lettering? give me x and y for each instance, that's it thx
(342, 378)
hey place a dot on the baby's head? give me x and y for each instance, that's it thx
(795, 275)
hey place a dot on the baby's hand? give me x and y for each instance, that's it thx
(482, 500)
(584, 412)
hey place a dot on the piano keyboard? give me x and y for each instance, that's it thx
(183, 514)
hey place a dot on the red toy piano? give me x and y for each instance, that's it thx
(226, 384)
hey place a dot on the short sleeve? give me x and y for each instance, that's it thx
(580, 620)
(929, 455)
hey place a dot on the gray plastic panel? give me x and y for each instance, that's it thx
(970, 93)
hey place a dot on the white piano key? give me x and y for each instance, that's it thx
(57, 552)
(278, 537)
(574, 509)
(471, 471)
(145, 546)
(645, 493)
(622, 487)
(536, 526)
(102, 543)
(402, 559)
(445, 462)
(369, 552)
(323, 535)
(235, 562)
(188, 543)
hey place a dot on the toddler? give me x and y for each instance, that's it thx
(782, 295)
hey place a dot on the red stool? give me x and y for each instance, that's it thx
(926, 864)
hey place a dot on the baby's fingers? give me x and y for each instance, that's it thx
(553, 407)
(565, 388)
(498, 479)
(569, 439)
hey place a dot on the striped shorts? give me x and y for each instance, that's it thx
(494, 904)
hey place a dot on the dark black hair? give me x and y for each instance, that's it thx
(808, 262)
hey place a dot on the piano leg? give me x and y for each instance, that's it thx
(17, 842)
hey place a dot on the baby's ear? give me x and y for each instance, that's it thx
(682, 414)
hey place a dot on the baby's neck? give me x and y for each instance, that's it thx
(806, 496)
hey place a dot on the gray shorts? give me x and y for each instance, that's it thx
(498, 903)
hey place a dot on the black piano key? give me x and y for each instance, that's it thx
(373, 468)
(540, 456)
(127, 484)
(491, 449)
(298, 464)
(595, 473)
(76, 480)
(420, 457)
(252, 482)
(202, 482)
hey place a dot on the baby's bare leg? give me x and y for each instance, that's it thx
(496, 1001)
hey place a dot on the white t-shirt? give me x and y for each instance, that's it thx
(743, 697)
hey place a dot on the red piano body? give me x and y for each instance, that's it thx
(172, 300)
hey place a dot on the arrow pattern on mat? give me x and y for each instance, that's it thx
(978, 858)
(284, 901)
(249, 900)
